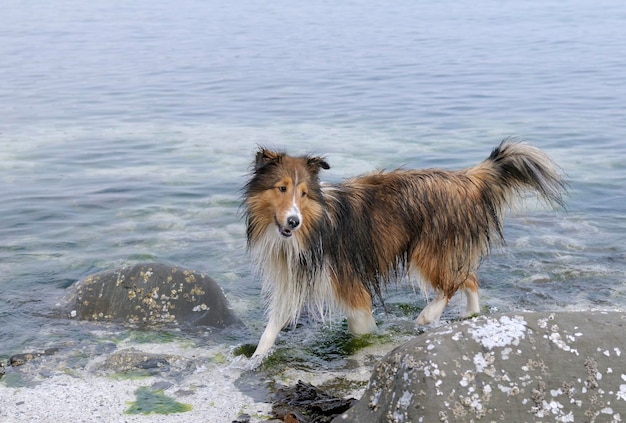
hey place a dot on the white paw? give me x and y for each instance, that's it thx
(432, 312)
(244, 363)
(422, 320)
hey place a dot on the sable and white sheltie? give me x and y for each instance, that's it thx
(334, 246)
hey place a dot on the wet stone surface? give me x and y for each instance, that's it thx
(522, 367)
(304, 403)
(151, 293)
(19, 359)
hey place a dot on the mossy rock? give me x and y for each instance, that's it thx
(147, 294)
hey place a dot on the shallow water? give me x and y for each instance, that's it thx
(127, 130)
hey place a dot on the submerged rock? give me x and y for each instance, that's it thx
(150, 293)
(521, 367)
(19, 359)
(130, 362)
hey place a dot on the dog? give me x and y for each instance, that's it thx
(334, 246)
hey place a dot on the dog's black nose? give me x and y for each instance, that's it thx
(293, 222)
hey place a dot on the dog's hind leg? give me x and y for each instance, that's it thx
(434, 309)
(470, 288)
(432, 312)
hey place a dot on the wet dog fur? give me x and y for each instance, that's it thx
(332, 247)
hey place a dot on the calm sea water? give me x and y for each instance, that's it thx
(127, 129)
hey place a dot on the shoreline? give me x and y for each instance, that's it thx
(107, 386)
(220, 387)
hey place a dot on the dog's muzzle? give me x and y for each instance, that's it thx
(293, 222)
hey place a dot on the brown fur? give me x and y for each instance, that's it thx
(352, 238)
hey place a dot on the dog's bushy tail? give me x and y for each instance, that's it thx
(518, 167)
(513, 169)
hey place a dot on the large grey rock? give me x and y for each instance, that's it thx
(150, 293)
(522, 367)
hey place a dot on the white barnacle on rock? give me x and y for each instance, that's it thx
(146, 275)
(457, 336)
(432, 371)
(73, 313)
(542, 323)
(505, 353)
(557, 340)
(373, 404)
(481, 362)
(473, 403)
(556, 392)
(500, 333)
(487, 391)
(405, 400)
(566, 418)
(510, 391)
(468, 377)
(622, 391)
(200, 307)
(555, 337)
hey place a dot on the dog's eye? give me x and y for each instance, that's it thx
(303, 194)
(282, 188)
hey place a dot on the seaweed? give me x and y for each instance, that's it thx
(155, 401)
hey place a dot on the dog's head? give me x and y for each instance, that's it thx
(284, 191)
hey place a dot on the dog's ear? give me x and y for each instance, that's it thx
(317, 163)
(265, 157)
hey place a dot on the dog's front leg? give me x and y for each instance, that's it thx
(266, 342)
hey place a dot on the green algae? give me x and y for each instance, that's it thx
(335, 343)
(17, 380)
(280, 357)
(149, 402)
(157, 337)
(219, 358)
(408, 309)
(246, 350)
(147, 336)
(134, 374)
(331, 343)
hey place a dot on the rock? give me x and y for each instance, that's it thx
(304, 403)
(242, 418)
(150, 293)
(128, 360)
(19, 359)
(520, 367)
